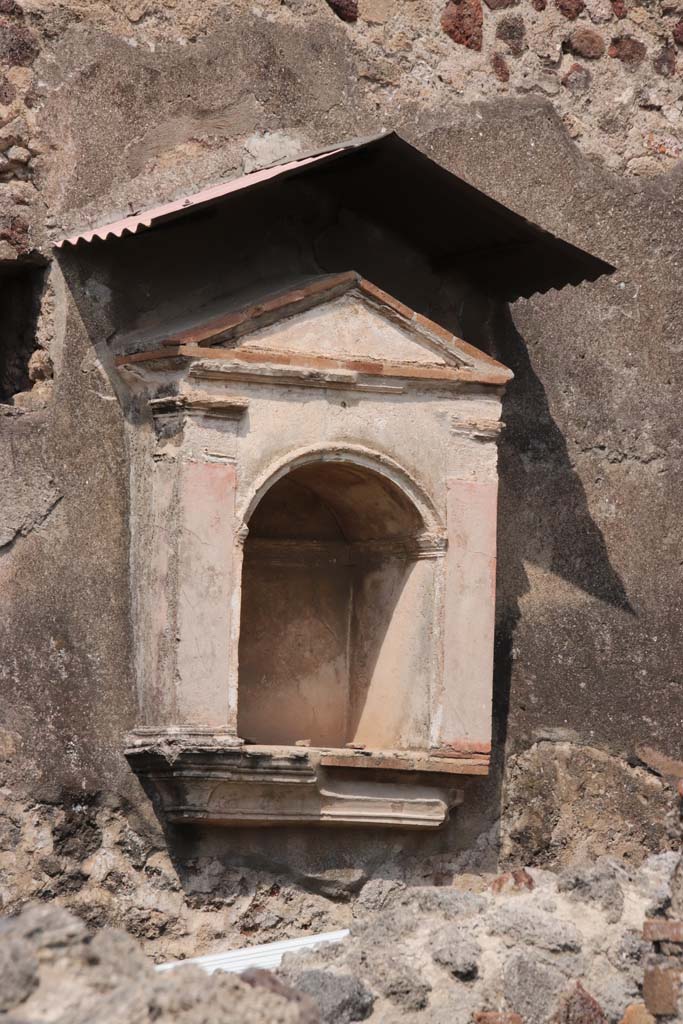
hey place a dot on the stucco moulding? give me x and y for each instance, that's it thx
(208, 780)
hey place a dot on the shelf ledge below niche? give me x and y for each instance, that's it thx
(205, 777)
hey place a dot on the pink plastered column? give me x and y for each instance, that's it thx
(205, 566)
(464, 721)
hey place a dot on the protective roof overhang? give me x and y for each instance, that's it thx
(392, 182)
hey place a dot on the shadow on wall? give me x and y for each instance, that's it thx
(543, 514)
(20, 290)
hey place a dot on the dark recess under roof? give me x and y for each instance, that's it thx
(388, 181)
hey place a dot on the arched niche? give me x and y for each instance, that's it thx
(338, 633)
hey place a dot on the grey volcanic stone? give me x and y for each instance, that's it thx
(536, 928)
(596, 883)
(377, 893)
(449, 902)
(532, 988)
(50, 970)
(18, 972)
(399, 982)
(453, 949)
(340, 998)
(45, 927)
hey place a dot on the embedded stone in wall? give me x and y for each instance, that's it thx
(619, 8)
(14, 163)
(665, 61)
(454, 950)
(678, 33)
(578, 80)
(631, 52)
(599, 11)
(347, 10)
(637, 1013)
(586, 42)
(580, 1008)
(18, 45)
(500, 67)
(16, 232)
(497, 5)
(7, 91)
(511, 31)
(40, 373)
(661, 988)
(571, 9)
(462, 21)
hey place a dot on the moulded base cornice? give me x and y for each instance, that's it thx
(196, 782)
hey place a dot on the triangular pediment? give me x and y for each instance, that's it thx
(348, 327)
(334, 323)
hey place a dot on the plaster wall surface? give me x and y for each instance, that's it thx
(354, 328)
(118, 104)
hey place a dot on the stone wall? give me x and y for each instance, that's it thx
(569, 114)
(526, 947)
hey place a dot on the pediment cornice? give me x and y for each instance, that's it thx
(213, 349)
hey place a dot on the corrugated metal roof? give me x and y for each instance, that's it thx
(386, 180)
(136, 222)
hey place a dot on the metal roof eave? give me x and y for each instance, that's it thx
(514, 256)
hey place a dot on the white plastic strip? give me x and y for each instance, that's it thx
(268, 956)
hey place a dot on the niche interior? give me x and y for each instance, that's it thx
(332, 607)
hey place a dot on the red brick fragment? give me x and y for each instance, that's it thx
(678, 32)
(661, 988)
(665, 61)
(18, 45)
(500, 67)
(497, 5)
(462, 21)
(660, 929)
(517, 879)
(631, 52)
(347, 10)
(579, 1007)
(539, 5)
(637, 1013)
(571, 9)
(619, 8)
(586, 42)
